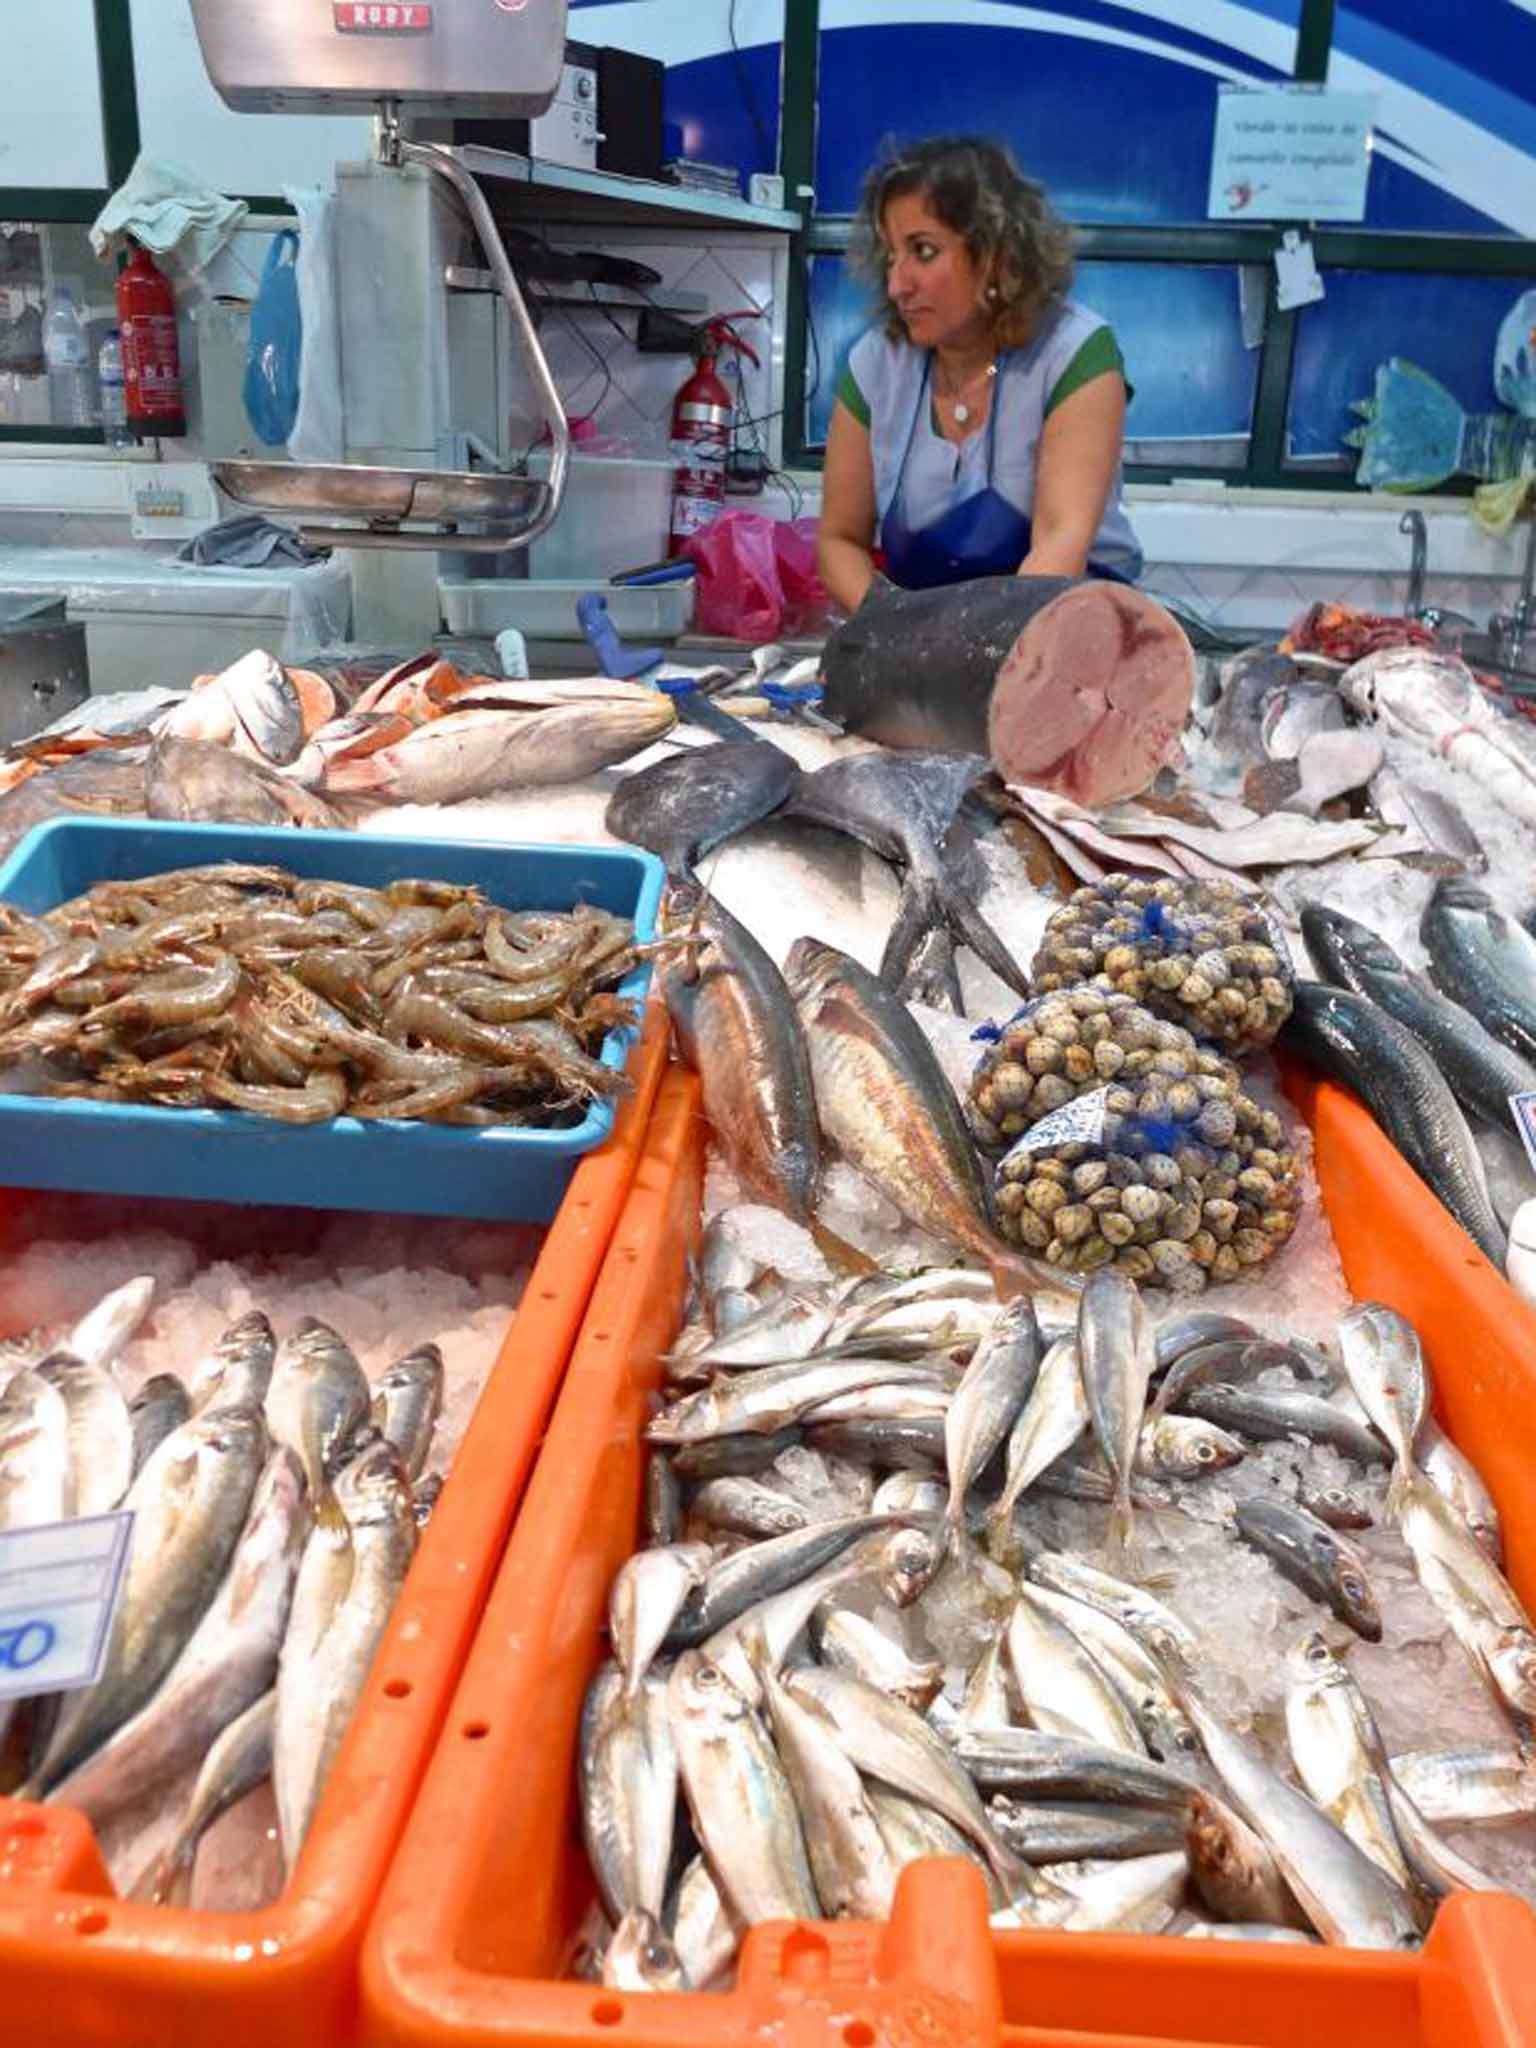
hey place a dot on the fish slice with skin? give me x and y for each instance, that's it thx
(987, 1402)
(239, 1760)
(229, 1661)
(316, 1695)
(189, 1506)
(1114, 1347)
(740, 1798)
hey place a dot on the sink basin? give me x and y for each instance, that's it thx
(1486, 651)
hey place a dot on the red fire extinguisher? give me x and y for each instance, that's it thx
(146, 317)
(701, 432)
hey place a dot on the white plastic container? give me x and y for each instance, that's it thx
(616, 515)
(544, 608)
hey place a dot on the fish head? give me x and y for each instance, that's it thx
(640, 1957)
(811, 967)
(253, 1329)
(1511, 1660)
(1312, 1661)
(702, 1693)
(372, 1488)
(1336, 1506)
(1460, 897)
(907, 1563)
(419, 1368)
(236, 1433)
(1187, 1444)
(1214, 1843)
(1353, 1590)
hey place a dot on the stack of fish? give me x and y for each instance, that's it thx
(276, 1497)
(1424, 1056)
(817, 1676)
(260, 744)
(249, 988)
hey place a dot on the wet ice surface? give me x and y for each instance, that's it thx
(386, 1284)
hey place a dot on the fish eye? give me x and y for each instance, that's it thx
(1204, 1453)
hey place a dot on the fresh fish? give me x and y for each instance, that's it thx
(1437, 1869)
(35, 1480)
(663, 1500)
(1114, 1348)
(738, 1028)
(1274, 1414)
(901, 806)
(1341, 1891)
(691, 801)
(1233, 1362)
(1248, 1930)
(733, 1306)
(628, 1790)
(849, 1641)
(238, 1370)
(1063, 1688)
(1457, 1480)
(1324, 1564)
(534, 735)
(407, 1400)
(735, 1583)
(1231, 1867)
(1483, 959)
(102, 1332)
(1487, 1782)
(228, 1664)
(189, 1506)
(160, 1406)
(1051, 1834)
(1483, 1072)
(1137, 1895)
(739, 1455)
(1433, 699)
(1334, 1505)
(790, 1328)
(318, 1398)
(746, 1507)
(885, 1104)
(238, 1761)
(1436, 822)
(739, 1796)
(1475, 1599)
(317, 1693)
(1052, 1420)
(199, 781)
(1352, 1039)
(886, 1740)
(909, 1493)
(643, 1603)
(1043, 1766)
(1234, 738)
(425, 1495)
(926, 1397)
(1385, 1364)
(1335, 1747)
(1130, 1668)
(913, 1830)
(902, 1446)
(941, 1298)
(1296, 713)
(1147, 1618)
(704, 1931)
(988, 1701)
(1333, 764)
(100, 1433)
(641, 1957)
(1184, 1447)
(768, 1399)
(987, 1402)
(852, 1867)
(253, 702)
(723, 1262)
(1202, 1326)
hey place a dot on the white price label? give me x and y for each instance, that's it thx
(1075, 1123)
(59, 1586)
(1523, 1109)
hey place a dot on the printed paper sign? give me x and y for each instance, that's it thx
(1075, 1123)
(1290, 153)
(59, 1585)
(1523, 1109)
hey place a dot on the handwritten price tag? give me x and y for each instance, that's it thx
(59, 1586)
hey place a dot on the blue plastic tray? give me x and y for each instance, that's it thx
(231, 1156)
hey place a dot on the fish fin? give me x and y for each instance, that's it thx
(838, 1252)
(973, 930)
(1015, 1273)
(918, 910)
(167, 1881)
(1120, 1549)
(1400, 1488)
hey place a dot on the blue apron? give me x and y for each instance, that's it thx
(983, 535)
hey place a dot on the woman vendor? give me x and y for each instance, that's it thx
(977, 427)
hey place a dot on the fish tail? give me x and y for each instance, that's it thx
(1400, 1488)
(167, 1880)
(1122, 1518)
(973, 930)
(917, 911)
(838, 1252)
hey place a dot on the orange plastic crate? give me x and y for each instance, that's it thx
(80, 1968)
(490, 1881)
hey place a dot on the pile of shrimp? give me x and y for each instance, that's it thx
(245, 987)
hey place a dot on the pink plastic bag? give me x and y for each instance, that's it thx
(757, 577)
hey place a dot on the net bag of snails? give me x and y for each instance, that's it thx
(1060, 1046)
(1179, 1187)
(1199, 953)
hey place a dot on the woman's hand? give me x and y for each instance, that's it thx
(845, 541)
(1080, 445)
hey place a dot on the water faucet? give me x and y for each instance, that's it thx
(1413, 523)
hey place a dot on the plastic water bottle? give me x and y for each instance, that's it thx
(114, 401)
(71, 395)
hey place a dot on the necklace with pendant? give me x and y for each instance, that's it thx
(957, 406)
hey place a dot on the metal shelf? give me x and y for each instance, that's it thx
(569, 194)
(462, 277)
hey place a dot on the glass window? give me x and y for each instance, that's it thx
(1445, 325)
(1456, 128)
(1112, 107)
(38, 263)
(839, 307)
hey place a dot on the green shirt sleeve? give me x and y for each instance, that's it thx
(850, 394)
(1097, 357)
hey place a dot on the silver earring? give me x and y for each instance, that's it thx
(992, 294)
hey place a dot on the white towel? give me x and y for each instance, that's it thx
(169, 213)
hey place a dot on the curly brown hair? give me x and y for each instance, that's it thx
(1016, 239)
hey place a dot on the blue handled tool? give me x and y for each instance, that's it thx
(602, 637)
